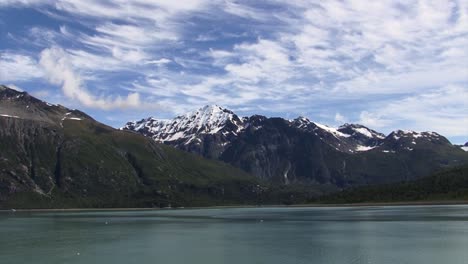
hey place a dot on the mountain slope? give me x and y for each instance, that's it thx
(302, 151)
(451, 185)
(54, 157)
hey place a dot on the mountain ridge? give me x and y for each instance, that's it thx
(164, 130)
(55, 157)
(252, 143)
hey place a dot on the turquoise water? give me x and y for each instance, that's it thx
(410, 234)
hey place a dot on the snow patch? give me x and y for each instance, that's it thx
(12, 116)
(334, 131)
(364, 132)
(364, 148)
(409, 133)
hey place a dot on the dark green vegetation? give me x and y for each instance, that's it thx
(54, 157)
(446, 185)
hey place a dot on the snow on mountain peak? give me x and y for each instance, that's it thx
(397, 134)
(301, 122)
(332, 130)
(209, 119)
(214, 128)
(304, 123)
(353, 129)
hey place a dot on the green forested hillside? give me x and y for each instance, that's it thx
(54, 157)
(447, 185)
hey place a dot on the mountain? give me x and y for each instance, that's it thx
(55, 157)
(446, 185)
(301, 151)
(206, 131)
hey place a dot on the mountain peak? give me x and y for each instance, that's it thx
(302, 119)
(360, 130)
(208, 119)
(7, 92)
(21, 105)
(207, 110)
(301, 122)
(397, 134)
(408, 139)
(213, 108)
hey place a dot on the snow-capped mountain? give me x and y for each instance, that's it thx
(407, 140)
(214, 123)
(216, 127)
(300, 150)
(210, 119)
(50, 147)
(349, 138)
(206, 131)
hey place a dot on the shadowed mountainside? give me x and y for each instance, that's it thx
(54, 157)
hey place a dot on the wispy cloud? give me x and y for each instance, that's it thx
(59, 71)
(18, 67)
(444, 108)
(337, 59)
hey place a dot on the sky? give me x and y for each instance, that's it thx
(387, 64)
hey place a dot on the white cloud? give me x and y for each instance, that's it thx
(24, 2)
(443, 110)
(297, 56)
(264, 60)
(15, 87)
(59, 70)
(245, 11)
(161, 61)
(339, 118)
(374, 120)
(418, 80)
(18, 67)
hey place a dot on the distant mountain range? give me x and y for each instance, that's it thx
(55, 157)
(301, 151)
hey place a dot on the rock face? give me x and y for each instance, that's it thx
(302, 151)
(51, 156)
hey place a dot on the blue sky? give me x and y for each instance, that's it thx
(388, 64)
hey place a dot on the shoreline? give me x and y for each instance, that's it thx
(322, 205)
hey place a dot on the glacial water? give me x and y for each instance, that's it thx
(381, 235)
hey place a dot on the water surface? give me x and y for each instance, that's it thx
(409, 234)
